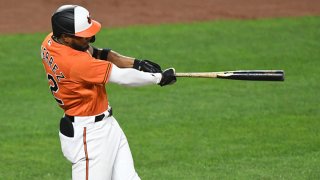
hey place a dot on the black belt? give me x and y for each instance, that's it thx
(96, 119)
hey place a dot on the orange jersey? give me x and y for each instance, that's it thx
(76, 79)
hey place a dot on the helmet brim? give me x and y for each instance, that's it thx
(91, 31)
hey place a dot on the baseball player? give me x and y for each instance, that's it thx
(91, 138)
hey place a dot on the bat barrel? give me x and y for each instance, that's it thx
(254, 75)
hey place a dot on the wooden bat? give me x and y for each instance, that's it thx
(252, 75)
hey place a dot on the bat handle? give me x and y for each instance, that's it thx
(198, 74)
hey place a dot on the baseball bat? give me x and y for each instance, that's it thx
(252, 75)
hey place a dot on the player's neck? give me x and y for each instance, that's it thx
(59, 40)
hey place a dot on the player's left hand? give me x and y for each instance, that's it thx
(147, 66)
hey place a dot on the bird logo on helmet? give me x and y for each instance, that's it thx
(74, 20)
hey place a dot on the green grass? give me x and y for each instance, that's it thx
(195, 129)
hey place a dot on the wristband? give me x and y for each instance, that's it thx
(95, 52)
(104, 54)
(136, 64)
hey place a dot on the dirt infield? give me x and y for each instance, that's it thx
(34, 16)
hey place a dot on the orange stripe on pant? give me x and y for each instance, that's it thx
(86, 151)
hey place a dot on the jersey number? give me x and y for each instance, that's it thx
(54, 88)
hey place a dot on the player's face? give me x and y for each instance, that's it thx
(80, 43)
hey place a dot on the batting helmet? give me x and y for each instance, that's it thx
(73, 20)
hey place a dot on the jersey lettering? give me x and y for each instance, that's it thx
(55, 67)
(54, 87)
(61, 76)
(50, 60)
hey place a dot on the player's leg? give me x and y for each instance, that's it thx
(71, 138)
(101, 151)
(98, 153)
(123, 166)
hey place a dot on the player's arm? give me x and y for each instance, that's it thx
(131, 77)
(90, 71)
(124, 61)
(120, 60)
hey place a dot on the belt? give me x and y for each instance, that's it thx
(96, 119)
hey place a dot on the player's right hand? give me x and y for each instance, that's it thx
(168, 77)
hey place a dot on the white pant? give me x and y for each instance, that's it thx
(98, 150)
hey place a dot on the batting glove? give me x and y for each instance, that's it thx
(147, 66)
(168, 77)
